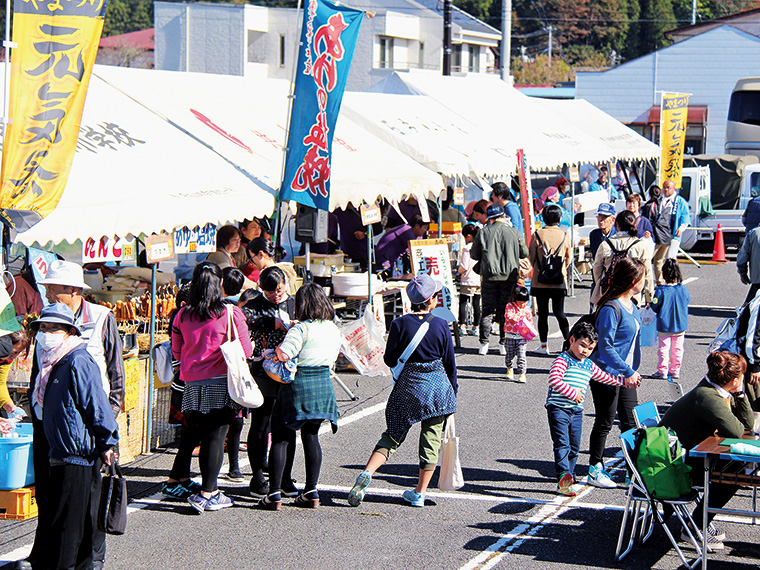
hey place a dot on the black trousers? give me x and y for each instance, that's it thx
(463, 301)
(284, 444)
(189, 439)
(233, 443)
(494, 296)
(213, 429)
(557, 297)
(258, 439)
(607, 401)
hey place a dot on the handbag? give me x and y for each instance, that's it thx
(112, 511)
(451, 477)
(526, 329)
(240, 383)
(411, 347)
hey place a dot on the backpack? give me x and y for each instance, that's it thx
(552, 268)
(617, 255)
(660, 461)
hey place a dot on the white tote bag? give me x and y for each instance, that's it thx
(451, 477)
(240, 384)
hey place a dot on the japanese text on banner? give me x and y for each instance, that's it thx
(328, 38)
(50, 72)
(673, 115)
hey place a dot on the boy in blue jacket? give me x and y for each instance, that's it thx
(671, 304)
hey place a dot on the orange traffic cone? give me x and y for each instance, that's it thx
(719, 249)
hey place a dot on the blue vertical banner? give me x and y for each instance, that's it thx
(328, 38)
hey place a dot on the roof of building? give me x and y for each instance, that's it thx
(699, 27)
(142, 39)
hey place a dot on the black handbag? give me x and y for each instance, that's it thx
(112, 512)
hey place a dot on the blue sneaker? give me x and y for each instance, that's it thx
(176, 490)
(218, 502)
(598, 477)
(198, 502)
(414, 498)
(192, 486)
(356, 494)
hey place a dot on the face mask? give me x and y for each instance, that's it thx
(50, 341)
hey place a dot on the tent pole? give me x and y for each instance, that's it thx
(440, 217)
(572, 240)
(369, 264)
(149, 429)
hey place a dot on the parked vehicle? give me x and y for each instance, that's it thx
(743, 125)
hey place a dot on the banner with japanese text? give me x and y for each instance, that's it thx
(673, 114)
(526, 194)
(50, 71)
(328, 38)
(432, 256)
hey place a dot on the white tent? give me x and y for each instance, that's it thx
(134, 172)
(244, 120)
(517, 121)
(431, 134)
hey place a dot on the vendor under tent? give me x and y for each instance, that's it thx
(244, 120)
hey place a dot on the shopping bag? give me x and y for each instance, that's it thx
(526, 329)
(648, 327)
(240, 383)
(162, 355)
(363, 345)
(451, 477)
(112, 511)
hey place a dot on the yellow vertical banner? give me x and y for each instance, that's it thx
(50, 71)
(673, 114)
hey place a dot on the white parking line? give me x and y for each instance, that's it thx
(690, 280)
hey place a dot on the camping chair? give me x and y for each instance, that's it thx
(639, 497)
(646, 415)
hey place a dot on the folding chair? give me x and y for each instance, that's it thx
(638, 497)
(646, 415)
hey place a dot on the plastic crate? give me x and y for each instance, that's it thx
(19, 504)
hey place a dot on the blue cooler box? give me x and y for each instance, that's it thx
(16, 460)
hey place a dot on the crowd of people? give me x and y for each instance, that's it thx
(289, 335)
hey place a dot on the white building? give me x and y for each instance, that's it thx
(236, 39)
(706, 62)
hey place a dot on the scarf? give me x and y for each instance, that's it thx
(49, 359)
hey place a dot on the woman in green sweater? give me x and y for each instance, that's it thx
(717, 406)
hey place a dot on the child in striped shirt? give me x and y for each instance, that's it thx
(569, 376)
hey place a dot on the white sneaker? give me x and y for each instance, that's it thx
(502, 350)
(543, 349)
(598, 477)
(522, 378)
(483, 350)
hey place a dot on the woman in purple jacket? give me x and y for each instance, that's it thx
(198, 331)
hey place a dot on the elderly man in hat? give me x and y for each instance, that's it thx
(499, 248)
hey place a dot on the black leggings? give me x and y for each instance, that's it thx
(233, 442)
(284, 445)
(557, 297)
(607, 401)
(258, 439)
(189, 439)
(463, 301)
(213, 429)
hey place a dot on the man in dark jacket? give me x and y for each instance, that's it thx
(499, 248)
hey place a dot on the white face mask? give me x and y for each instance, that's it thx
(50, 341)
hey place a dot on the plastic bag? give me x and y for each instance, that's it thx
(363, 345)
(648, 327)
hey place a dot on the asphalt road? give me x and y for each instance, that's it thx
(507, 515)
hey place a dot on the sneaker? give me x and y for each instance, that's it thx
(198, 502)
(235, 476)
(197, 451)
(414, 498)
(175, 490)
(659, 376)
(192, 486)
(674, 378)
(218, 502)
(258, 489)
(271, 502)
(716, 533)
(463, 331)
(598, 477)
(713, 543)
(510, 374)
(502, 350)
(289, 489)
(522, 379)
(356, 494)
(543, 349)
(564, 487)
(483, 350)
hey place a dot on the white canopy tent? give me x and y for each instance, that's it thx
(244, 120)
(516, 121)
(135, 173)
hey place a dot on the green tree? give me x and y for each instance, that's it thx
(657, 17)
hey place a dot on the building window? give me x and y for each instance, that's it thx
(474, 58)
(256, 52)
(386, 53)
(421, 56)
(456, 60)
(282, 50)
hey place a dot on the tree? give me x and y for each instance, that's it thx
(657, 17)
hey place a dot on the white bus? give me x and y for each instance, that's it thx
(743, 126)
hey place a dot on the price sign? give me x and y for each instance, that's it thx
(159, 247)
(612, 167)
(131, 384)
(459, 196)
(574, 173)
(198, 240)
(108, 249)
(370, 214)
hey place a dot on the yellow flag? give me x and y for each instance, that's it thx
(673, 115)
(50, 71)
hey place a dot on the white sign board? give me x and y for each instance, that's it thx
(431, 256)
(108, 249)
(198, 240)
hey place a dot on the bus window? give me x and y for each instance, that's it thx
(754, 184)
(745, 107)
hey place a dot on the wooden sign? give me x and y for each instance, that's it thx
(159, 247)
(431, 256)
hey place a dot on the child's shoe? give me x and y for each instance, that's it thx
(510, 374)
(565, 485)
(502, 350)
(522, 378)
(543, 349)
(659, 376)
(414, 498)
(356, 495)
(483, 350)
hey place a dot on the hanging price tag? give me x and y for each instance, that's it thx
(370, 214)
(613, 170)
(159, 247)
(459, 196)
(574, 173)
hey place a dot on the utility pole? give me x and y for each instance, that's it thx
(506, 39)
(447, 37)
(550, 45)
(693, 16)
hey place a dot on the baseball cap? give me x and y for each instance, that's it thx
(605, 210)
(494, 211)
(422, 287)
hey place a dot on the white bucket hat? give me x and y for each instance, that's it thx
(65, 273)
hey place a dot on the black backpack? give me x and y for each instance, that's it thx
(617, 255)
(552, 268)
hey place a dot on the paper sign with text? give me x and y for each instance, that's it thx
(459, 196)
(431, 256)
(108, 249)
(159, 247)
(370, 214)
(198, 240)
(574, 174)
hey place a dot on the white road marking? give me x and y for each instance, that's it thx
(690, 280)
